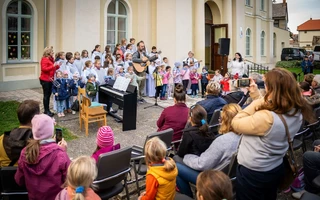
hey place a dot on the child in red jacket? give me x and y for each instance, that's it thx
(225, 83)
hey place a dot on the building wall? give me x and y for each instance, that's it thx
(305, 38)
(282, 40)
(18, 75)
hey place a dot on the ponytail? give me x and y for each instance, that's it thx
(204, 129)
(80, 193)
(32, 151)
(169, 165)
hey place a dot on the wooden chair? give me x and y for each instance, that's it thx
(81, 93)
(91, 114)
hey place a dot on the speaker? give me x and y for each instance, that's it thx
(224, 45)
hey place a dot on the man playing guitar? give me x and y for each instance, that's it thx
(141, 57)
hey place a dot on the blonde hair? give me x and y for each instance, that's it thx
(81, 172)
(76, 53)
(213, 88)
(32, 151)
(214, 185)
(155, 152)
(47, 51)
(229, 111)
(87, 64)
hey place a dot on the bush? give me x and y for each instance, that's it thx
(294, 64)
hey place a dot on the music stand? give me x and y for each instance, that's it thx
(156, 101)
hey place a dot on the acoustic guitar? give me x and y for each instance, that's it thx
(140, 67)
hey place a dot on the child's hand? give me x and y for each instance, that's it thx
(63, 144)
(56, 94)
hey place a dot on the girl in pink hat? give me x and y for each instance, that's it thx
(105, 142)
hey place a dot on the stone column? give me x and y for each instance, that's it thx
(227, 19)
(199, 29)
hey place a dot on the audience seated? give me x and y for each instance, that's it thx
(12, 143)
(196, 139)
(217, 156)
(105, 142)
(316, 84)
(213, 100)
(309, 78)
(43, 164)
(264, 141)
(175, 116)
(311, 166)
(161, 174)
(214, 185)
(81, 173)
(306, 90)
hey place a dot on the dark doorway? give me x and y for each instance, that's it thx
(218, 31)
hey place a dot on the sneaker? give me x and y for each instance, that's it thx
(59, 115)
(170, 98)
(62, 114)
(73, 112)
(297, 195)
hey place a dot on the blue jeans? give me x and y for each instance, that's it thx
(311, 167)
(186, 175)
(164, 89)
(60, 106)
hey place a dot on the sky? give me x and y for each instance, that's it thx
(300, 11)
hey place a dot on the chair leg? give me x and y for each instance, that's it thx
(126, 187)
(105, 120)
(87, 127)
(136, 177)
(80, 120)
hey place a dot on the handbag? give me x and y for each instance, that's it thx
(75, 105)
(289, 162)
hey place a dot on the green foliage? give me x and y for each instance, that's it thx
(294, 64)
(9, 119)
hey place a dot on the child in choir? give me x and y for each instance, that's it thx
(128, 50)
(177, 75)
(88, 69)
(101, 72)
(74, 84)
(77, 62)
(96, 52)
(225, 82)
(194, 76)
(150, 85)
(162, 172)
(217, 76)
(117, 50)
(60, 56)
(67, 101)
(170, 83)
(123, 45)
(84, 58)
(165, 61)
(107, 51)
(91, 87)
(165, 78)
(153, 52)
(61, 92)
(185, 76)
(108, 63)
(69, 65)
(128, 60)
(118, 62)
(105, 142)
(121, 72)
(134, 78)
(158, 80)
(110, 75)
(204, 77)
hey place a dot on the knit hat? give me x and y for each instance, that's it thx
(42, 127)
(91, 75)
(105, 137)
(177, 64)
(65, 72)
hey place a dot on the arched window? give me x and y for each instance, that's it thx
(274, 44)
(19, 31)
(248, 42)
(262, 43)
(262, 5)
(117, 21)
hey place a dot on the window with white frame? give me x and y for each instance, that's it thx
(247, 2)
(248, 42)
(116, 22)
(274, 44)
(262, 5)
(262, 42)
(19, 31)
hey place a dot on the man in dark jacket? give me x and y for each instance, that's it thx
(140, 56)
(11, 143)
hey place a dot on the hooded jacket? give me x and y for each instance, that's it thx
(47, 69)
(44, 178)
(166, 181)
(61, 86)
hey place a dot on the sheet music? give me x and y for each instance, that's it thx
(121, 83)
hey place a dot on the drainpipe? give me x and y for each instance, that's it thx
(45, 23)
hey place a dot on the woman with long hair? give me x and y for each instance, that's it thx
(264, 141)
(236, 66)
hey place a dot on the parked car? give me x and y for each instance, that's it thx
(291, 53)
(316, 53)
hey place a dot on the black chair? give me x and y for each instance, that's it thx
(113, 168)
(310, 196)
(215, 117)
(298, 140)
(137, 155)
(180, 196)
(232, 172)
(10, 189)
(315, 129)
(214, 129)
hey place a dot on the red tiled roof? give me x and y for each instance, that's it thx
(310, 25)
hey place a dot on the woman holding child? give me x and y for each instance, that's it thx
(264, 141)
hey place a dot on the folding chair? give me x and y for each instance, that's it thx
(215, 117)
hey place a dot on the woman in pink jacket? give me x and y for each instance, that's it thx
(43, 164)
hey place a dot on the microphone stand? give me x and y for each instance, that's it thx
(156, 100)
